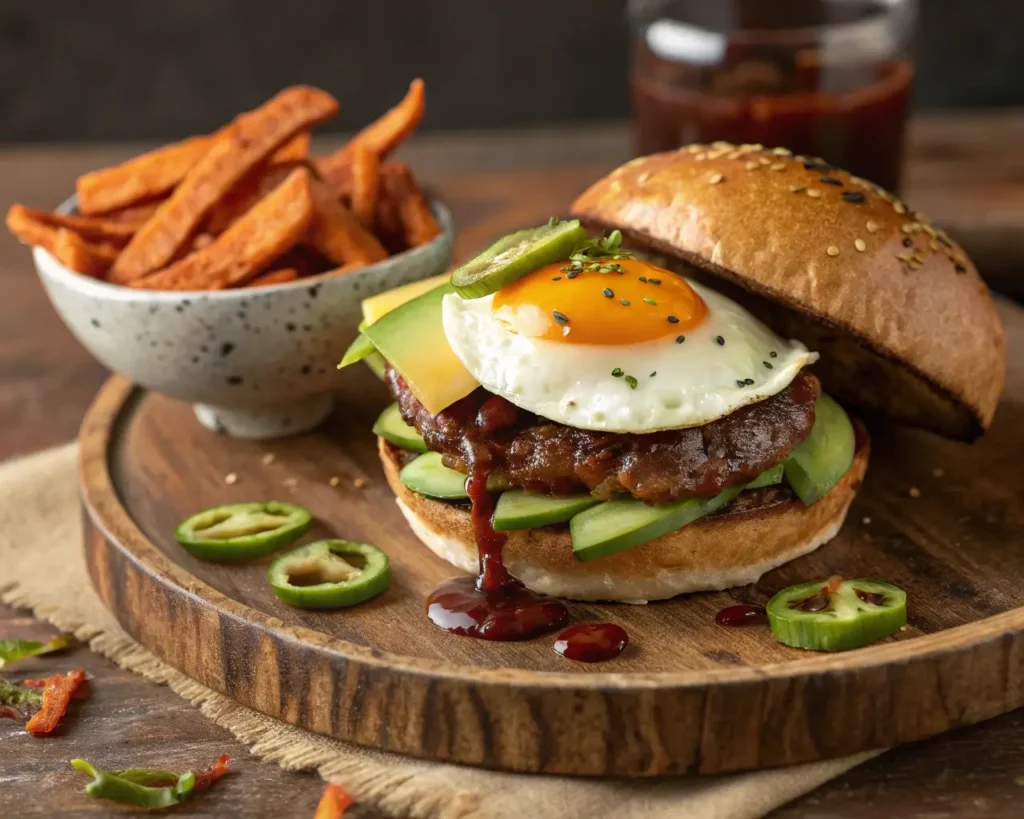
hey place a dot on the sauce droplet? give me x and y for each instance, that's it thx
(742, 615)
(510, 612)
(592, 642)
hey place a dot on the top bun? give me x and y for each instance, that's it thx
(905, 325)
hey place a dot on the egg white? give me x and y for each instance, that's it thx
(572, 384)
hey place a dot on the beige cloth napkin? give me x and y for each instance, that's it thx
(39, 525)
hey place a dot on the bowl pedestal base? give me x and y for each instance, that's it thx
(264, 423)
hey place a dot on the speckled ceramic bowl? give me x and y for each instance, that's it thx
(256, 363)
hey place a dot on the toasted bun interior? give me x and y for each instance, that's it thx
(714, 553)
(904, 324)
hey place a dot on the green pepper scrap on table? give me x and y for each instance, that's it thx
(145, 788)
(318, 576)
(11, 650)
(242, 531)
(15, 695)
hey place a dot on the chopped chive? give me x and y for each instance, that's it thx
(650, 301)
(673, 319)
(624, 302)
(561, 318)
(680, 339)
(631, 381)
(553, 221)
(607, 293)
(643, 279)
(617, 372)
(740, 383)
(768, 365)
(654, 281)
(572, 274)
(720, 340)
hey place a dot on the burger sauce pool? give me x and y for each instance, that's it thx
(494, 605)
(762, 87)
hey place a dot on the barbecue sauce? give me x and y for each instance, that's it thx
(742, 615)
(494, 605)
(592, 642)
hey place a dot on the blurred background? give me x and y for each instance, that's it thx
(125, 70)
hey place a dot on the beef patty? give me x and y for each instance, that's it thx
(529, 452)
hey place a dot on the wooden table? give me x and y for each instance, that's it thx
(965, 171)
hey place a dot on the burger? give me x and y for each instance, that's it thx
(662, 393)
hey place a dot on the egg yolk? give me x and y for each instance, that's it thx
(635, 302)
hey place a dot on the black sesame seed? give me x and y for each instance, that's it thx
(768, 364)
(817, 165)
(673, 320)
(960, 268)
(748, 381)
(720, 340)
(625, 302)
(617, 372)
(607, 293)
(908, 242)
(631, 381)
(854, 197)
(557, 279)
(653, 374)
(740, 383)
(680, 339)
(773, 354)
(831, 180)
(561, 318)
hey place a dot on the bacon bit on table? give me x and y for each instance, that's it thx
(333, 803)
(213, 774)
(57, 693)
(6, 712)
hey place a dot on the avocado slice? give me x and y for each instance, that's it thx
(769, 477)
(428, 476)
(517, 509)
(391, 427)
(824, 456)
(411, 338)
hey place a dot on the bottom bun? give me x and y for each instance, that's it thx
(728, 549)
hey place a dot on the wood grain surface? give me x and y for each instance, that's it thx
(963, 169)
(687, 695)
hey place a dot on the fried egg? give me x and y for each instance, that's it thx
(635, 348)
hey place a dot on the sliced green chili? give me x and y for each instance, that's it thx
(11, 650)
(139, 787)
(318, 576)
(242, 531)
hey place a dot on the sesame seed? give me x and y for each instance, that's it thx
(740, 383)
(768, 365)
(231, 478)
(814, 193)
(673, 320)
(617, 372)
(938, 472)
(268, 459)
(561, 318)
(680, 339)
(557, 279)
(701, 157)
(796, 188)
(650, 301)
(914, 492)
(720, 340)
(715, 178)
(631, 381)
(866, 520)
(778, 166)
(335, 481)
(654, 373)
(872, 226)
(960, 268)
(782, 152)
(899, 207)
(733, 155)
(908, 242)
(909, 227)
(359, 483)
(832, 250)
(624, 302)
(752, 166)
(748, 381)
(831, 180)
(290, 483)
(860, 244)
(853, 197)
(607, 293)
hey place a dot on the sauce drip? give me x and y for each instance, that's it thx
(494, 606)
(592, 642)
(742, 615)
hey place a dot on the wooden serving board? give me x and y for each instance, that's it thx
(686, 696)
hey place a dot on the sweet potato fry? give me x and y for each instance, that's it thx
(137, 215)
(150, 174)
(337, 234)
(267, 231)
(293, 151)
(247, 193)
(90, 258)
(385, 134)
(418, 223)
(279, 276)
(365, 184)
(92, 228)
(247, 142)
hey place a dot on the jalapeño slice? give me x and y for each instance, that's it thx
(515, 255)
(242, 531)
(837, 615)
(318, 576)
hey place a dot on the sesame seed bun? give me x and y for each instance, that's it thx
(904, 324)
(727, 549)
